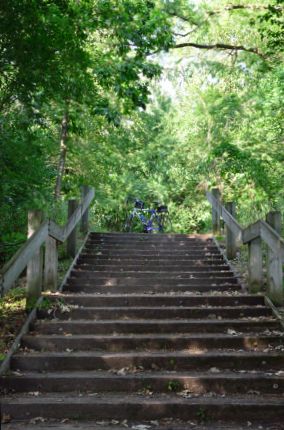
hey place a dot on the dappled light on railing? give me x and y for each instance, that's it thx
(267, 231)
(48, 232)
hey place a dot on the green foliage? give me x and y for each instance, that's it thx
(174, 386)
(222, 126)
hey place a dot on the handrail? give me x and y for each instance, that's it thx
(252, 235)
(10, 272)
(227, 217)
(61, 233)
(258, 229)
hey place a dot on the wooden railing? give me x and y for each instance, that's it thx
(42, 267)
(254, 235)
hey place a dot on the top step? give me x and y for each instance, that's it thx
(143, 236)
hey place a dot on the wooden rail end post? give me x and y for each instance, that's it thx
(231, 240)
(274, 263)
(71, 241)
(50, 264)
(85, 217)
(215, 212)
(255, 265)
(35, 266)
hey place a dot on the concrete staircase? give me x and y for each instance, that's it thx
(153, 331)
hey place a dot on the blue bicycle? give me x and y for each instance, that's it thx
(150, 220)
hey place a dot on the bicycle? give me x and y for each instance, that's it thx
(163, 216)
(155, 222)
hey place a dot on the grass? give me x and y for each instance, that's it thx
(12, 316)
(13, 305)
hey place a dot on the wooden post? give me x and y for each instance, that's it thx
(51, 264)
(71, 241)
(231, 240)
(85, 218)
(274, 263)
(35, 266)
(255, 265)
(216, 213)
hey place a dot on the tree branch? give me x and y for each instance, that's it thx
(243, 7)
(221, 46)
(186, 34)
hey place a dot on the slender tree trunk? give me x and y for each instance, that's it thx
(62, 155)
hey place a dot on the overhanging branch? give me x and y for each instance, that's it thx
(242, 7)
(218, 46)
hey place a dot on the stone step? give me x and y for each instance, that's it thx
(86, 259)
(150, 267)
(178, 360)
(114, 287)
(154, 326)
(153, 275)
(148, 240)
(160, 236)
(144, 259)
(166, 424)
(134, 380)
(156, 299)
(150, 237)
(149, 254)
(141, 407)
(147, 342)
(125, 312)
(172, 247)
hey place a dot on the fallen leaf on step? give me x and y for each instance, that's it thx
(232, 332)
(37, 420)
(214, 370)
(140, 427)
(34, 393)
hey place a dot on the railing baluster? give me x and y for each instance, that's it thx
(35, 265)
(51, 264)
(274, 262)
(71, 241)
(231, 240)
(216, 212)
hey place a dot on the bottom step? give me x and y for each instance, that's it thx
(148, 425)
(141, 407)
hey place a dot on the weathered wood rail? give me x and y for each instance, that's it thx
(42, 272)
(254, 235)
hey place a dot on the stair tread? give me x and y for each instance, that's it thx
(158, 336)
(123, 399)
(169, 354)
(242, 320)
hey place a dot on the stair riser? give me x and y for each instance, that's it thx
(150, 267)
(157, 384)
(79, 410)
(166, 344)
(171, 362)
(160, 236)
(150, 239)
(146, 259)
(102, 262)
(152, 276)
(150, 283)
(138, 328)
(153, 254)
(161, 313)
(154, 300)
(152, 245)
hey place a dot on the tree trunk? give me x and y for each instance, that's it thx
(62, 155)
